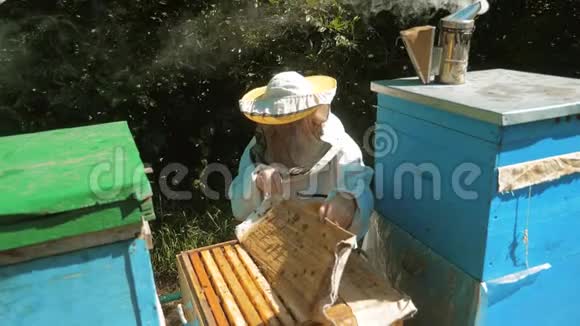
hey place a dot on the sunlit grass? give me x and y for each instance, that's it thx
(183, 231)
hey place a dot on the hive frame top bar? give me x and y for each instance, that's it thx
(499, 96)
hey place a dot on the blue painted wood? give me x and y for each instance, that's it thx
(476, 235)
(143, 283)
(445, 295)
(549, 211)
(477, 128)
(547, 298)
(106, 285)
(537, 140)
(454, 225)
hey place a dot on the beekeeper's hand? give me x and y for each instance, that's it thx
(339, 210)
(269, 181)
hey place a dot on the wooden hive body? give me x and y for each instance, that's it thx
(74, 237)
(445, 185)
(236, 283)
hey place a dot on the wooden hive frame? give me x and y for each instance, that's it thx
(279, 273)
(226, 287)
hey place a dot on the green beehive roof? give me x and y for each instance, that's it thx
(67, 182)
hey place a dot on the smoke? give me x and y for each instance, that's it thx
(404, 9)
(225, 33)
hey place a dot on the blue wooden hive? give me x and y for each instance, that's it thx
(74, 236)
(479, 186)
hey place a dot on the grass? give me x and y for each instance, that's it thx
(182, 229)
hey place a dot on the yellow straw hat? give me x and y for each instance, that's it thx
(288, 97)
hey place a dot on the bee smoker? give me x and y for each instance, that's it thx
(448, 60)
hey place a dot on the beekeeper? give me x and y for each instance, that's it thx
(301, 151)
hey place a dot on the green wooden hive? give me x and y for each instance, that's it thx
(69, 182)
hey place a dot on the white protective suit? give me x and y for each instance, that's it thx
(341, 169)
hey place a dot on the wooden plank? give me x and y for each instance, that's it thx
(250, 314)
(69, 244)
(476, 128)
(232, 310)
(204, 311)
(273, 299)
(216, 245)
(146, 234)
(296, 254)
(143, 281)
(22, 233)
(528, 142)
(191, 306)
(249, 285)
(212, 298)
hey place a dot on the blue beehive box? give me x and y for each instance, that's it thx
(484, 177)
